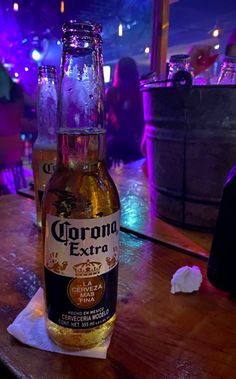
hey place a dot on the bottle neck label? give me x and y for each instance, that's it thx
(81, 270)
(46, 169)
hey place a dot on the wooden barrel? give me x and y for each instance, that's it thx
(191, 147)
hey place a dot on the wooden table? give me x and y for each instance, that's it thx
(157, 334)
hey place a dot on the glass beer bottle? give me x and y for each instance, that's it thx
(178, 62)
(81, 204)
(44, 149)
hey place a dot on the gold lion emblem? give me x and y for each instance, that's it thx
(54, 265)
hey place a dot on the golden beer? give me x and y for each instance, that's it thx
(82, 189)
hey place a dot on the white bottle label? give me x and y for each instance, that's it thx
(81, 270)
(72, 245)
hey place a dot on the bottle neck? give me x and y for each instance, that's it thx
(231, 66)
(47, 110)
(81, 135)
(227, 73)
(80, 150)
(81, 95)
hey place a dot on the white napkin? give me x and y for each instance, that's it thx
(29, 328)
(186, 279)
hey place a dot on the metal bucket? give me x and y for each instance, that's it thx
(191, 147)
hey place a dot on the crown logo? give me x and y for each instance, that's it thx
(54, 265)
(87, 268)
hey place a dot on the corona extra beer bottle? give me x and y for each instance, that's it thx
(44, 149)
(81, 204)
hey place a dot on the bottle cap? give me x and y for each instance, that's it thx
(180, 58)
(74, 26)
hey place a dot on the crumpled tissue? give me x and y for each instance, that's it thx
(29, 328)
(186, 279)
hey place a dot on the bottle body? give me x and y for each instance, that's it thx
(80, 205)
(44, 149)
(227, 74)
(85, 197)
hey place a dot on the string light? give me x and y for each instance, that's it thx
(215, 32)
(36, 55)
(107, 73)
(62, 7)
(147, 50)
(120, 30)
(15, 6)
(217, 46)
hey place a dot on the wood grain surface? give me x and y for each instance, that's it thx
(157, 334)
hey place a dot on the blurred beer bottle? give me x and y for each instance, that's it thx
(44, 149)
(178, 63)
(81, 204)
(228, 71)
(221, 268)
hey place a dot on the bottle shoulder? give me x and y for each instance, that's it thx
(78, 194)
(44, 144)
